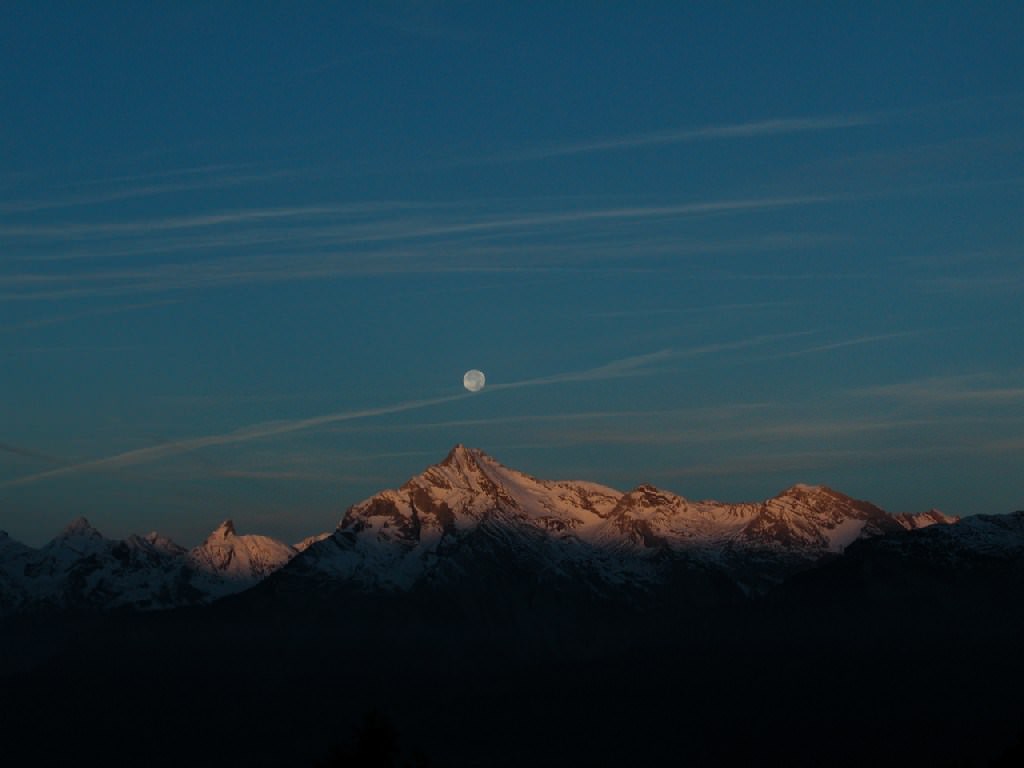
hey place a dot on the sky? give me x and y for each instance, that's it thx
(248, 250)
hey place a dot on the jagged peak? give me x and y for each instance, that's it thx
(461, 456)
(938, 514)
(806, 488)
(467, 463)
(8, 544)
(309, 541)
(457, 450)
(80, 526)
(803, 490)
(648, 491)
(223, 531)
(933, 516)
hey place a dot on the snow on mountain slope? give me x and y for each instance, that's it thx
(470, 519)
(395, 537)
(81, 570)
(815, 520)
(996, 536)
(975, 566)
(231, 563)
(305, 544)
(913, 522)
(400, 537)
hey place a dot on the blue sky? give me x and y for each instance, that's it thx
(248, 251)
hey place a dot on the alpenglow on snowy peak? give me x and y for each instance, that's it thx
(468, 519)
(446, 521)
(238, 561)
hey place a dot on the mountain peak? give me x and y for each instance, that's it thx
(237, 561)
(470, 464)
(925, 519)
(804, 489)
(224, 530)
(460, 456)
(80, 526)
(9, 546)
(649, 495)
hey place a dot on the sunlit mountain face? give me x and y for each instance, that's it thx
(475, 610)
(468, 516)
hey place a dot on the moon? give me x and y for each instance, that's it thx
(474, 380)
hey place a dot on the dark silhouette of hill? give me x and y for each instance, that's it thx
(374, 743)
(905, 651)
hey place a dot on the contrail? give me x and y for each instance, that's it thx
(256, 432)
(627, 366)
(714, 132)
(17, 450)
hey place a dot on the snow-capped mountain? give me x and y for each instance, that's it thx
(230, 563)
(80, 569)
(470, 520)
(914, 522)
(307, 542)
(437, 528)
(996, 537)
(976, 564)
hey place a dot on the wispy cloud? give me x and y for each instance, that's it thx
(949, 163)
(679, 430)
(695, 414)
(137, 191)
(714, 132)
(959, 389)
(624, 367)
(747, 464)
(30, 453)
(697, 310)
(171, 173)
(806, 461)
(386, 246)
(359, 211)
(647, 364)
(635, 365)
(376, 221)
(1007, 283)
(255, 432)
(269, 474)
(859, 341)
(99, 312)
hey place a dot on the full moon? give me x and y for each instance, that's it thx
(474, 380)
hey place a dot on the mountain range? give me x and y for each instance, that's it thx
(498, 619)
(471, 520)
(80, 569)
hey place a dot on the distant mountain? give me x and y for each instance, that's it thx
(912, 522)
(470, 518)
(471, 526)
(978, 561)
(486, 609)
(307, 542)
(80, 569)
(230, 563)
